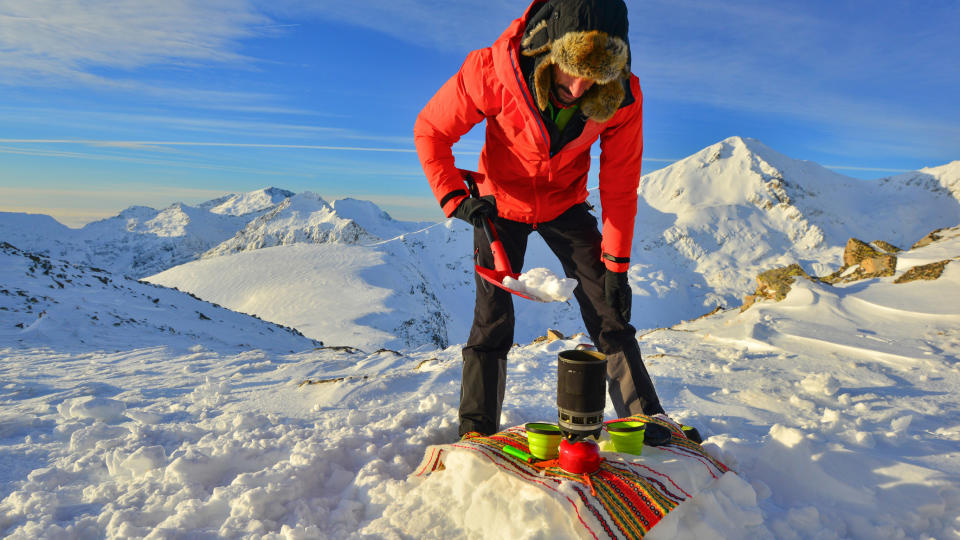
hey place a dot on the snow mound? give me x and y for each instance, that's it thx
(543, 284)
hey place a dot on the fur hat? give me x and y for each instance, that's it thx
(586, 39)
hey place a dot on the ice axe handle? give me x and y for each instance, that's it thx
(500, 261)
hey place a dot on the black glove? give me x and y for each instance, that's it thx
(474, 211)
(616, 290)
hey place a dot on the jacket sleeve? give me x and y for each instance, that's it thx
(453, 111)
(621, 152)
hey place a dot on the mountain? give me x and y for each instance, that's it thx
(47, 302)
(944, 179)
(307, 218)
(243, 204)
(142, 241)
(708, 224)
(37, 232)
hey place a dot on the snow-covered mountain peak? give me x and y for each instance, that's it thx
(735, 171)
(302, 218)
(176, 220)
(372, 219)
(944, 180)
(140, 213)
(242, 204)
(358, 210)
(171, 221)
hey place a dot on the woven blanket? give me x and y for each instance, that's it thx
(625, 498)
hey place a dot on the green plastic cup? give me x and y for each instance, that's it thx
(627, 436)
(543, 439)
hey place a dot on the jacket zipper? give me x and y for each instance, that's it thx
(540, 126)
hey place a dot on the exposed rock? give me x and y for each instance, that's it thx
(856, 251)
(928, 239)
(714, 311)
(887, 247)
(865, 261)
(925, 271)
(882, 266)
(775, 284)
(425, 362)
(552, 335)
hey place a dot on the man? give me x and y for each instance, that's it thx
(555, 81)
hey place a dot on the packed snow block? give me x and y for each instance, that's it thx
(625, 498)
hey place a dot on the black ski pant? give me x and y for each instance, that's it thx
(575, 239)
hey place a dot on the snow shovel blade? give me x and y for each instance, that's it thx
(501, 265)
(495, 277)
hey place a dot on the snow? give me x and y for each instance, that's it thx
(543, 284)
(241, 204)
(298, 294)
(134, 410)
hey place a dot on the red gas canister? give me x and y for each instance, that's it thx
(579, 457)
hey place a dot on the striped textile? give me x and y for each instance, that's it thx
(631, 495)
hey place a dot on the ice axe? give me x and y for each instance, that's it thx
(501, 264)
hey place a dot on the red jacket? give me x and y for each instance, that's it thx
(516, 168)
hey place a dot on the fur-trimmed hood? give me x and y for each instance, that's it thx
(584, 38)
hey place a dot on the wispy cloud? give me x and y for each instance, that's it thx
(115, 192)
(152, 144)
(67, 38)
(201, 164)
(107, 45)
(461, 25)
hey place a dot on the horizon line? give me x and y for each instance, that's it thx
(145, 144)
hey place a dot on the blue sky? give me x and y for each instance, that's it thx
(108, 104)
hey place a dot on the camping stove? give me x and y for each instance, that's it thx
(581, 393)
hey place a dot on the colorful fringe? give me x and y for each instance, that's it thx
(624, 499)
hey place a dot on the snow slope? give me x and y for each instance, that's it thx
(340, 294)
(47, 302)
(837, 408)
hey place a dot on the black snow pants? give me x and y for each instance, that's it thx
(575, 239)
